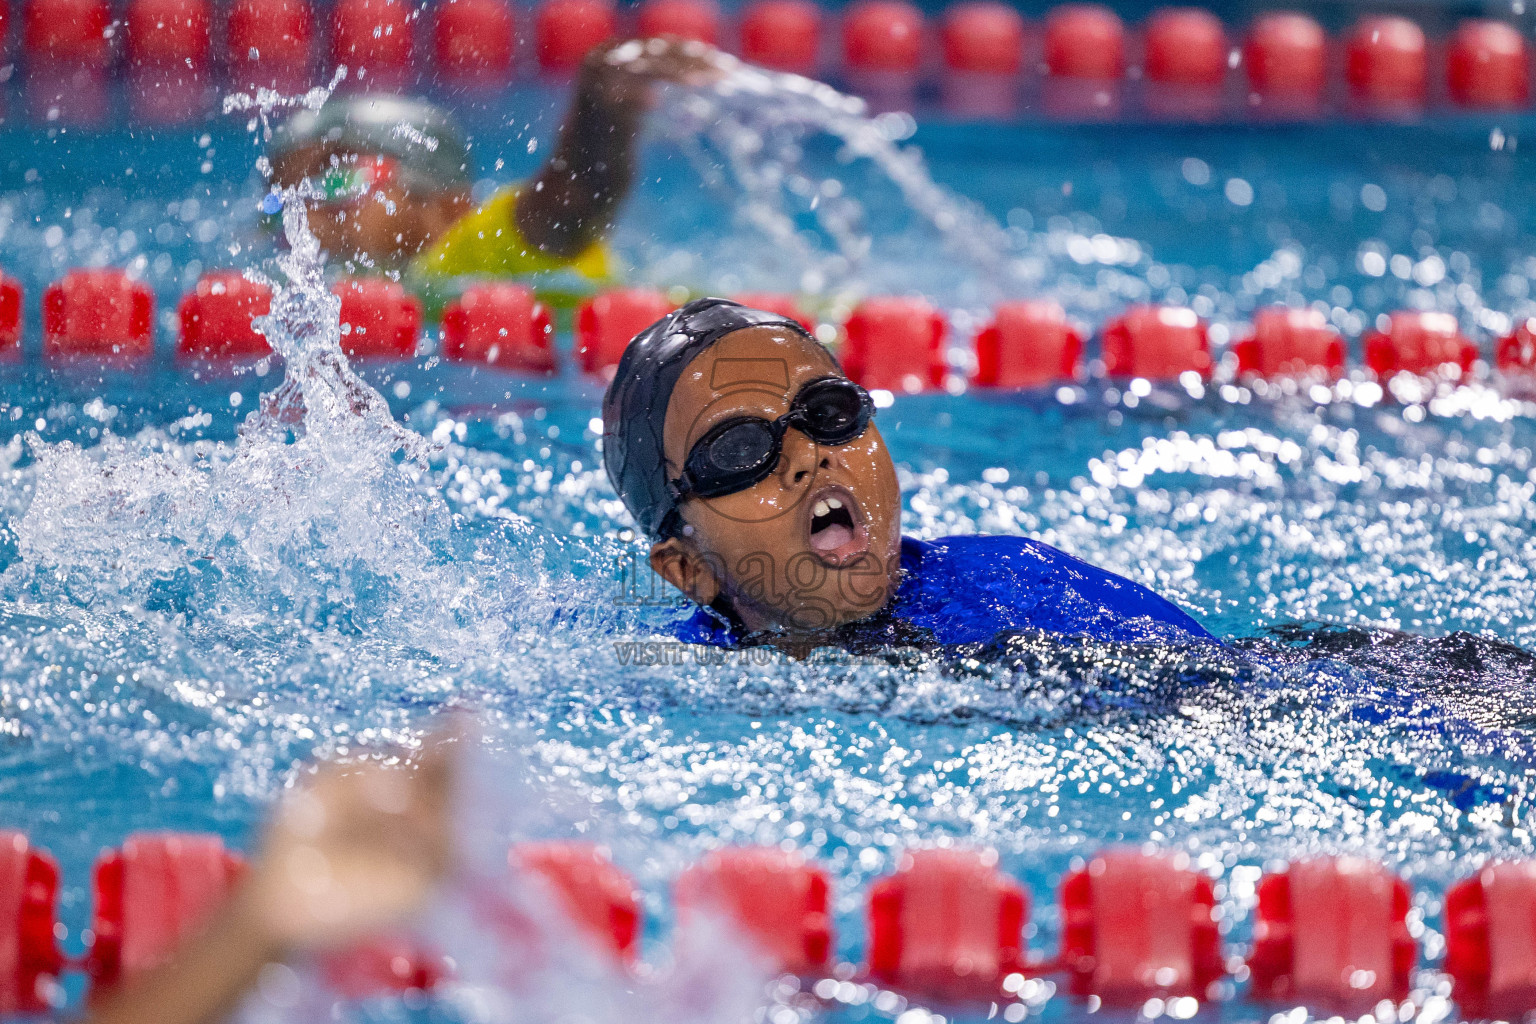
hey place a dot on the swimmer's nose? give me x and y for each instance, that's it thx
(801, 459)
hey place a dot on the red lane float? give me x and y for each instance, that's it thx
(1185, 63)
(168, 32)
(168, 59)
(1084, 61)
(984, 37)
(774, 302)
(947, 923)
(1286, 56)
(10, 318)
(159, 888)
(1332, 932)
(776, 898)
(883, 51)
(1422, 343)
(565, 31)
(599, 898)
(1387, 64)
(896, 344)
(1084, 41)
(150, 894)
(168, 45)
(29, 958)
(686, 19)
(501, 325)
(216, 318)
(68, 31)
(169, 35)
(1290, 342)
(983, 43)
(1516, 354)
(379, 318)
(1028, 344)
(383, 965)
(883, 35)
(783, 34)
(1490, 941)
(474, 42)
(606, 323)
(68, 55)
(1157, 343)
(1137, 925)
(98, 314)
(1487, 65)
(268, 43)
(375, 39)
(1186, 46)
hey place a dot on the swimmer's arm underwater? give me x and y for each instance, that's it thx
(355, 850)
(573, 199)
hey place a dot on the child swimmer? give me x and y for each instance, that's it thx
(395, 174)
(753, 463)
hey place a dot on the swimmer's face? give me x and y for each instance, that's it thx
(387, 226)
(815, 544)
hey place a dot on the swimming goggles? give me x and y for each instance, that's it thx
(356, 180)
(743, 450)
(350, 180)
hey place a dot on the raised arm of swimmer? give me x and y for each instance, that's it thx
(353, 851)
(571, 202)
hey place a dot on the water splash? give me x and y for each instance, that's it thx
(747, 135)
(264, 103)
(316, 511)
(320, 392)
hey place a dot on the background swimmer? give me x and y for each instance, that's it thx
(739, 446)
(397, 173)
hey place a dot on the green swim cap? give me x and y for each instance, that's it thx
(419, 136)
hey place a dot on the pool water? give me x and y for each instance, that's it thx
(191, 607)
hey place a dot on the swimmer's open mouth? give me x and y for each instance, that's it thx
(835, 529)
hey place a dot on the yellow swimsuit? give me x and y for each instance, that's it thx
(486, 243)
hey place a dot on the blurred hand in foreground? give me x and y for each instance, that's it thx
(355, 849)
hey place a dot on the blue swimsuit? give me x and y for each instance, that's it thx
(968, 589)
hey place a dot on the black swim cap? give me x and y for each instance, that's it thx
(635, 408)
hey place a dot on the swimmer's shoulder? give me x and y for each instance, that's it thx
(983, 555)
(978, 546)
(1036, 583)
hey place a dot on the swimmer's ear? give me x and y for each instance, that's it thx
(687, 569)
